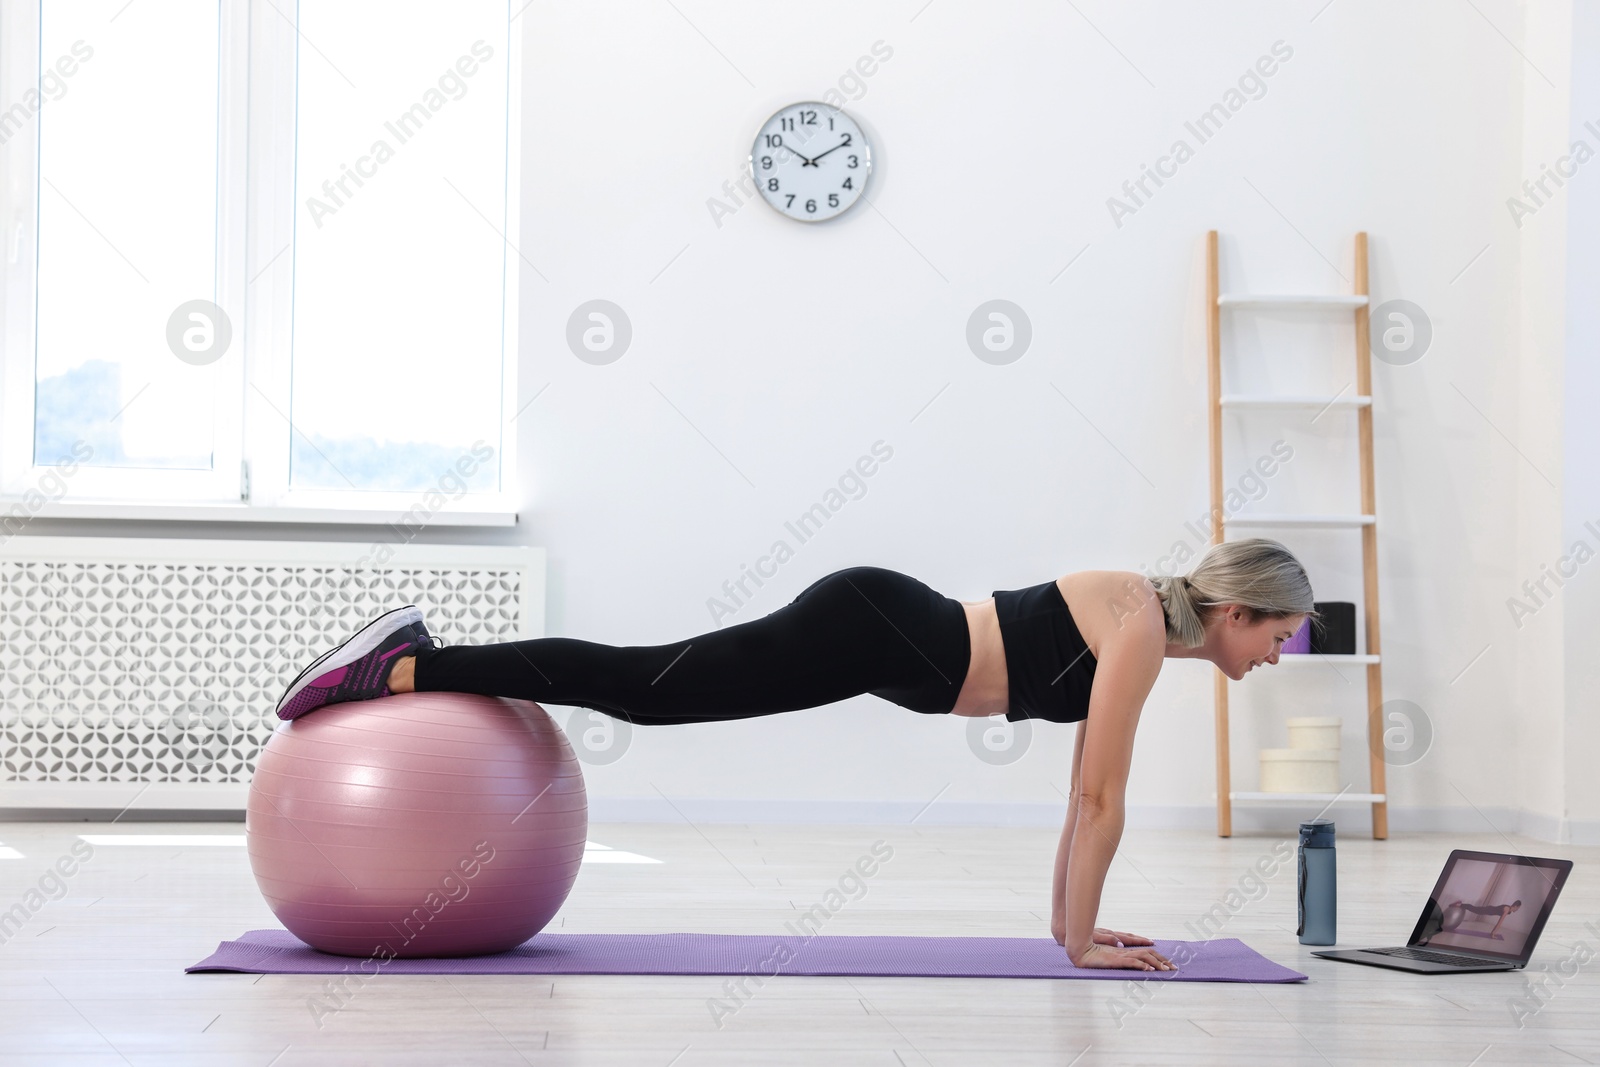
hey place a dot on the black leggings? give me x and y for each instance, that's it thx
(857, 630)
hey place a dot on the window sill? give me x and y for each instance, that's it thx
(13, 508)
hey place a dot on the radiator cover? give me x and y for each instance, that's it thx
(153, 665)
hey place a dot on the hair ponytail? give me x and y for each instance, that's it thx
(1185, 624)
(1258, 574)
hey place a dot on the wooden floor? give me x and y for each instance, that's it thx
(96, 977)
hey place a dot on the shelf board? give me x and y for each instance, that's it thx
(1307, 300)
(1306, 659)
(1313, 798)
(1268, 400)
(1274, 519)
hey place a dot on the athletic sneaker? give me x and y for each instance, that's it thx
(358, 668)
(409, 611)
(426, 637)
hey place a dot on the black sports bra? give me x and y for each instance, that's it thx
(1049, 668)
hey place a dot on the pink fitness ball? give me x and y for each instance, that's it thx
(423, 824)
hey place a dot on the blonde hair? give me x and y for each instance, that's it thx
(1257, 573)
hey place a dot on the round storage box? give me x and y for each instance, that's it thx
(1315, 731)
(1299, 770)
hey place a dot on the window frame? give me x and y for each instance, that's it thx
(259, 48)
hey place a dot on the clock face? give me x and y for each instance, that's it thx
(810, 161)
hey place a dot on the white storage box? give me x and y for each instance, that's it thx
(1315, 731)
(1300, 770)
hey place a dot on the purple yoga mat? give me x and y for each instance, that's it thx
(1224, 959)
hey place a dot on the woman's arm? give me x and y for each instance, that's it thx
(1126, 671)
(1058, 882)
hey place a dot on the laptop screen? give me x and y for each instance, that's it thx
(1491, 904)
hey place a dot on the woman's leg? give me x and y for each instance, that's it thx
(858, 630)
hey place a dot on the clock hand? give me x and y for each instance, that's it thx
(835, 148)
(804, 162)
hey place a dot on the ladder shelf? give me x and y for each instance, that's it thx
(1364, 520)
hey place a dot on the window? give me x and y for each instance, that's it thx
(256, 255)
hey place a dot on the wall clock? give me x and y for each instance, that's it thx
(810, 161)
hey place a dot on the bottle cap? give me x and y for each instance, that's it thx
(1316, 833)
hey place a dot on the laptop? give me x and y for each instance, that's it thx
(1485, 913)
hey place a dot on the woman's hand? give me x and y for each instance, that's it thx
(1114, 938)
(1102, 936)
(1128, 959)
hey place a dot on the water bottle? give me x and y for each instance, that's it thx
(1318, 885)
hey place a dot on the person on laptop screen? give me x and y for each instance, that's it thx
(1501, 887)
(1462, 910)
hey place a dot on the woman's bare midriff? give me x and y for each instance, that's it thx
(985, 691)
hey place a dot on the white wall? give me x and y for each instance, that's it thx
(1558, 526)
(1581, 398)
(769, 355)
(1538, 699)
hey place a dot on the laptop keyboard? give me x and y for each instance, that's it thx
(1431, 956)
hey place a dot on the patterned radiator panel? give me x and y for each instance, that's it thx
(168, 671)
